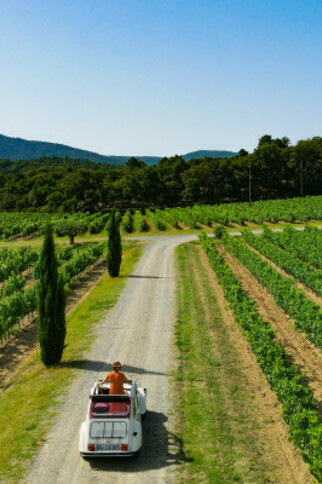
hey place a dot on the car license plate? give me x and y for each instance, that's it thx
(107, 447)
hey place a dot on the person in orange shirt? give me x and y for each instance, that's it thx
(117, 379)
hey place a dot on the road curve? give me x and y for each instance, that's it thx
(137, 331)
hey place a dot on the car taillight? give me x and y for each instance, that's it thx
(91, 446)
(123, 446)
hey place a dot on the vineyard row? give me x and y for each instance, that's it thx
(23, 302)
(307, 315)
(272, 211)
(296, 267)
(306, 245)
(299, 406)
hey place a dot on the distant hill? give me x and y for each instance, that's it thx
(21, 149)
(209, 154)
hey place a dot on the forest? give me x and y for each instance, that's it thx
(275, 169)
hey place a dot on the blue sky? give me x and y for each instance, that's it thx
(159, 77)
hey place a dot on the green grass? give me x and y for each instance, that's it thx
(216, 423)
(28, 404)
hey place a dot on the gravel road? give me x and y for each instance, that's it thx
(138, 332)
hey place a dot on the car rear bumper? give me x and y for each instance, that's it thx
(95, 455)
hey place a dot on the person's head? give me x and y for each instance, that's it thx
(116, 366)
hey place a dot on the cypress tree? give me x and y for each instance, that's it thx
(51, 303)
(114, 255)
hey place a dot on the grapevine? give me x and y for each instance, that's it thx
(299, 406)
(306, 314)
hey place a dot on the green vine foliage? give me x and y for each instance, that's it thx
(24, 301)
(14, 261)
(301, 270)
(140, 222)
(127, 222)
(156, 221)
(307, 315)
(299, 406)
(306, 245)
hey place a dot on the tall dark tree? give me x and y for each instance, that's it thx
(306, 160)
(51, 304)
(114, 255)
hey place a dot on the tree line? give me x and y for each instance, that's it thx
(20, 166)
(275, 169)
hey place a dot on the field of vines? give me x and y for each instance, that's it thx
(287, 264)
(19, 274)
(29, 225)
(298, 255)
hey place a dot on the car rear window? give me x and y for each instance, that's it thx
(110, 409)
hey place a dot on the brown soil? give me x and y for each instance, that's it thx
(182, 226)
(251, 224)
(309, 293)
(270, 434)
(300, 350)
(203, 226)
(17, 349)
(149, 225)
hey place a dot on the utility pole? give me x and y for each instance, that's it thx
(250, 183)
(301, 178)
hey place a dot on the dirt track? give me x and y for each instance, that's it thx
(138, 332)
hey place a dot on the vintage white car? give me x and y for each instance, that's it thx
(113, 425)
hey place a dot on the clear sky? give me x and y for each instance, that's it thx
(160, 77)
